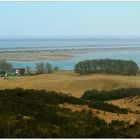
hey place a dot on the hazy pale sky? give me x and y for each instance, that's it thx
(69, 19)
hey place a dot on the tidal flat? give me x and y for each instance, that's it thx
(55, 55)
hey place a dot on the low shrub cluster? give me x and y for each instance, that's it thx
(107, 107)
(111, 94)
(36, 114)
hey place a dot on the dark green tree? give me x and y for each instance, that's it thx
(109, 66)
(5, 66)
(40, 67)
(48, 68)
(56, 68)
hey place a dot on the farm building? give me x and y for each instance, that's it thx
(13, 72)
(19, 71)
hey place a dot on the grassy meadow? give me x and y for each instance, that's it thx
(71, 83)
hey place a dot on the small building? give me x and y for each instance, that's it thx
(19, 71)
(13, 72)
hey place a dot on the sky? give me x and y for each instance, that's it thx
(69, 19)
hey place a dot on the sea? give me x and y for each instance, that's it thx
(16, 45)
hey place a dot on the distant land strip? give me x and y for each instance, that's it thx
(74, 50)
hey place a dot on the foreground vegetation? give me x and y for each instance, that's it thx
(111, 95)
(109, 66)
(36, 114)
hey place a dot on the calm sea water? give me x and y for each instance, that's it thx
(61, 44)
(57, 44)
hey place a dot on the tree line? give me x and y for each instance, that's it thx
(45, 67)
(40, 68)
(109, 66)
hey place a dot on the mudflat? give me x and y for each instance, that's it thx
(55, 55)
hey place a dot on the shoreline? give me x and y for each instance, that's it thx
(56, 55)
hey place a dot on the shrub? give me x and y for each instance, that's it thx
(110, 95)
(107, 107)
(36, 114)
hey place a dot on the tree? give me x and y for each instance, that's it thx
(5, 66)
(48, 68)
(44, 68)
(28, 70)
(56, 68)
(40, 67)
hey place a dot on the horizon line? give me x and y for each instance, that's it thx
(72, 37)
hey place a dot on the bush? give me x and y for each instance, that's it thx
(107, 107)
(111, 95)
(36, 114)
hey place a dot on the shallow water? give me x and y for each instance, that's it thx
(69, 64)
(65, 44)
